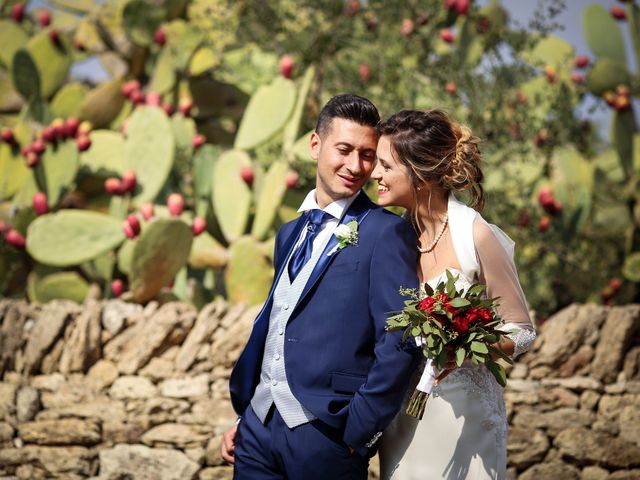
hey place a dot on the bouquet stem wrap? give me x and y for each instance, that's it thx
(418, 400)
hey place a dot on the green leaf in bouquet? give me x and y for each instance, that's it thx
(406, 335)
(460, 355)
(429, 291)
(451, 284)
(415, 331)
(440, 333)
(498, 372)
(426, 328)
(479, 347)
(490, 338)
(460, 302)
(431, 341)
(442, 358)
(472, 335)
(477, 289)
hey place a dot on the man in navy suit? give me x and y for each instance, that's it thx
(319, 378)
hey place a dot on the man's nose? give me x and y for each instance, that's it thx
(354, 163)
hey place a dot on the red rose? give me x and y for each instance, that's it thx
(486, 314)
(461, 323)
(452, 310)
(426, 304)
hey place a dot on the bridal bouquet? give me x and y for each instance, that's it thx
(448, 323)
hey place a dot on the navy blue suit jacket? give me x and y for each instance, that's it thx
(340, 363)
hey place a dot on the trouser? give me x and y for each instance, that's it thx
(311, 451)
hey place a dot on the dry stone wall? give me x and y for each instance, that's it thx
(112, 390)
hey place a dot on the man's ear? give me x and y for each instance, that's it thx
(315, 143)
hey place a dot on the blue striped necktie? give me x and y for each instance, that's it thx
(303, 253)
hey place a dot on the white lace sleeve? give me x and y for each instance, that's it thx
(498, 272)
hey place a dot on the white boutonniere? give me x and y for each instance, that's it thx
(347, 234)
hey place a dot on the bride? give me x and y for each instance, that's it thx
(423, 159)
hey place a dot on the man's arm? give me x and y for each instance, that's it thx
(393, 265)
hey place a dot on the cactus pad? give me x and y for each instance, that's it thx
(102, 104)
(68, 101)
(71, 237)
(60, 285)
(603, 34)
(249, 273)
(606, 75)
(141, 20)
(272, 192)
(60, 165)
(105, 158)
(149, 151)
(230, 195)
(159, 253)
(12, 38)
(631, 268)
(13, 171)
(267, 113)
(206, 252)
(53, 62)
(26, 78)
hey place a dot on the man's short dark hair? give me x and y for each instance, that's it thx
(350, 107)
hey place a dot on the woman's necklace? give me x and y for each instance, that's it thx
(435, 241)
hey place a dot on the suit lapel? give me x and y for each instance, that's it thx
(358, 210)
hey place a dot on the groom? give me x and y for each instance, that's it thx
(319, 379)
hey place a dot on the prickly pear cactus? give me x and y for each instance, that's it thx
(12, 38)
(105, 158)
(59, 165)
(13, 171)
(206, 252)
(52, 60)
(71, 237)
(102, 104)
(272, 192)
(631, 268)
(61, 285)
(249, 274)
(266, 114)
(26, 78)
(602, 34)
(230, 195)
(159, 253)
(67, 102)
(149, 150)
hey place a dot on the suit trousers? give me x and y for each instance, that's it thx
(311, 451)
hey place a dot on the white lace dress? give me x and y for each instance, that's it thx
(463, 433)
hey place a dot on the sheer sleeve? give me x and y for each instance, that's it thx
(498, 273)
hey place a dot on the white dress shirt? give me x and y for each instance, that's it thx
(336, 209)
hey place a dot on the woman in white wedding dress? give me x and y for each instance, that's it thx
(423, 159)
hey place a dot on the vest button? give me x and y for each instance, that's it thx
(286, 306)
(274, 382)
(276, 356)
(280, 331)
